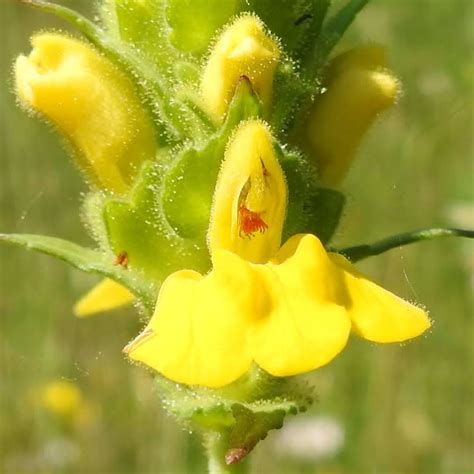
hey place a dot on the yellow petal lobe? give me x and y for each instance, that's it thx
(197, 334)
(359, 88)
(105, 296)
(377, 314)
(250, 198)
(309, 325)
(243, 49)
(91, 102)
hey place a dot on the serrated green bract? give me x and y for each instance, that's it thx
(244, 411)
(139, 228)
(189, 185)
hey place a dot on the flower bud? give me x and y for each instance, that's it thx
(358, 89)
(250, 198)
(91, 102)
(243, 49)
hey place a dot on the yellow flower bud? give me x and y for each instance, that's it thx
(250, 197)
(91, 102)
(358, 89)
(243, 49)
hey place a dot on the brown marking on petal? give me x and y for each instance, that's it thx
(264, 169)
(234, 455)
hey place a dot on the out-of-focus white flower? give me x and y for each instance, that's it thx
(310, 438)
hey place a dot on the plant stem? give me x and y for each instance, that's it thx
(217, 446)
(360, 252)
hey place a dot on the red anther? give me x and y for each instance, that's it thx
(250, 222)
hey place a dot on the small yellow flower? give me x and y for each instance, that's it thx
(289, 312)
(105, 296)
(359, 87)
(62, 398)
(91, 102)
(243, 49)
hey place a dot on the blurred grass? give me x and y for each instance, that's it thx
(404, 409)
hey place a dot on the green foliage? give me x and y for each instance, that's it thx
(311, 209)
(87, 260)
(194, 23)
(139, 228)
(189, 184)
(243, 412)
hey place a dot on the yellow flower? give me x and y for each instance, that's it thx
(289, 312)
(243, 49)
(105, 296)
(62, 398)
(65, 400)
(91, 102)
(358, 89)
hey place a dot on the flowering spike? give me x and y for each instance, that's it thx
(250, 197)
(91, 102)
(243, 49)
(358, 89)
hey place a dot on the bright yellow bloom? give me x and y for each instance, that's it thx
(91, 102)
(243, 49)
(289, 312)
(105, 296)
(358, 89)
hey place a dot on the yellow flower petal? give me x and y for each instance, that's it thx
(377, 314)
(358, 89)
(197, 334)
(243, 49)
(250, 198)
(309, 325)
(91, 102)
(105, 296)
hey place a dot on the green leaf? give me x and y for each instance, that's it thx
(190, 183)
(139, 228)
(87, 260)
(311, 209)
(142, 25)
(360, 252)
(295, 22)
(332, 31)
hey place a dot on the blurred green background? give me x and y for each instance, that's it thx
(381, 409)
